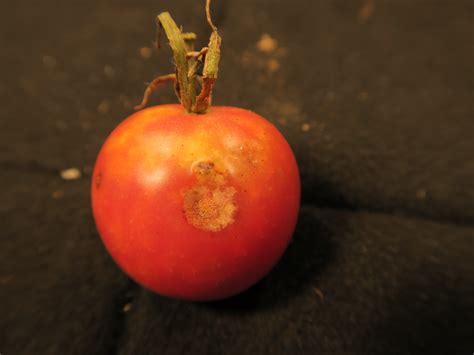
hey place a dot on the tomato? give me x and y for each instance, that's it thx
(198, 207)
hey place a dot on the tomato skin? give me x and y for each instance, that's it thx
(197, 207)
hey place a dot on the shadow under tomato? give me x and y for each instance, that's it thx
(306, 258)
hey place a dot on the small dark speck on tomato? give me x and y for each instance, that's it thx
(98, 180)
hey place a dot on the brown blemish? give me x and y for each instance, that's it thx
(98, 180)
(204, 167)
(210, 203)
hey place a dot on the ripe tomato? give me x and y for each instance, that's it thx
(198, 207)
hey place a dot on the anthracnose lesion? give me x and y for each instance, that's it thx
(210, 203)
(204, 167)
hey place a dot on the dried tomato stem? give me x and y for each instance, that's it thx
(152, 87)
(196, 71)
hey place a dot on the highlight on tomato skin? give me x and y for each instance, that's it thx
(197, 207)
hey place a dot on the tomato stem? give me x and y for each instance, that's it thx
(152, 86)
(196, 71)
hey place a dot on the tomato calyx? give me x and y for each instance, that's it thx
(195, 71)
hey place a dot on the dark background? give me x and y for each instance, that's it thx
(376, 99)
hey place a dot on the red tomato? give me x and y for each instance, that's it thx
(197, 207)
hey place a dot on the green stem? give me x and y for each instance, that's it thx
(193, 89)
(178, 46)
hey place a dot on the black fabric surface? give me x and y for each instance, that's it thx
(378, 107)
